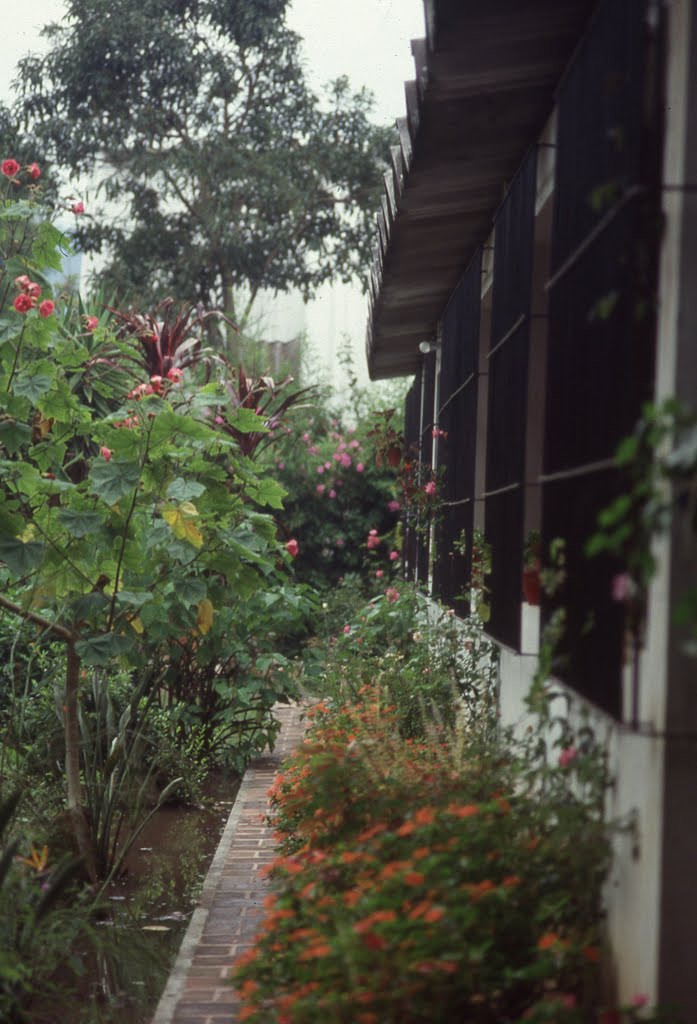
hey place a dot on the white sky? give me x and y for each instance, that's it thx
(368, 40)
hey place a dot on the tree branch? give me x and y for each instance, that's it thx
(39, 620)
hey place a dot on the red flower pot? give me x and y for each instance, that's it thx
(531, 584)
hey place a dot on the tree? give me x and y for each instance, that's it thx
(195, 117)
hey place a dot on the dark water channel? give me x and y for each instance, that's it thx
(147, 911)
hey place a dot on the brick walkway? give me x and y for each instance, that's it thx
(230, 907)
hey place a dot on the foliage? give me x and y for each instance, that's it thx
(660, 462)
(31, 914)
(340, 504)
(127, 522)
(456, 877)
(198, 118)
(429, 665)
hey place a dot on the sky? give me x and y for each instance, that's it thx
(368, 40)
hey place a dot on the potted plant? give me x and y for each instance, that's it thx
(531, 567)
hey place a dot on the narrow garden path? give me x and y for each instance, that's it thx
(231, 903)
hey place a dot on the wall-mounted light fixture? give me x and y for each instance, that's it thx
(427, 346)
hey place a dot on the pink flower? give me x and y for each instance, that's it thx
(340, 542)
(567, 756)
(623, 587)
(9, 167)
(78, 208)
(22, 303)
(373, 540)
(639, 1000)
(354, 444)
(22, 282)
(392, 595)
(359, 467)
(306, 437)
(281, 465)
(313, 449)
(394, 555)
(219, 420)
(327, 465)
(46, 308)
(394, 506)
(430, 488)
(139, 390)
(105, 452)
(320, 469)
(175, 374)
(345, 460)
(91, 323)
(347, 628)
(337, 456)
(33, 289)
(332, 494)
(320, 488)
(156, 382)
(292, 547)
(379, 574)
(34, 171)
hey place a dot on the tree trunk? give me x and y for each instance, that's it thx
(76, 809)
(232, 349)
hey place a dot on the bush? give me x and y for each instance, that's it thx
(451, 878)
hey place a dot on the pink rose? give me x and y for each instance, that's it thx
(373, 540)
(320, 488)
(105, 453)
(292, 547)
(354, 444)
(347, 628)
(392, 595)
(327, 465)
(623, 587)
(22, 303)
(430, 488)
(567, 756)
(345, 460)
(320, 469)
(332, 494)
(78, 208)
(9, 167)
(359, 467)
(34, 171)
(394, 555)
(46, 308)
(394, 506)
(379, 574)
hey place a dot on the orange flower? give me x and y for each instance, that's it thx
(414, 878)
(510, 881)
(248, 988)
(591, 953)
(349, 856)
(315, 952)
(425, 816)
(434, 914)
(246, 1012)
(406, 829)
(548, 940)
(423, 851)
(463, 810)
(480, 889)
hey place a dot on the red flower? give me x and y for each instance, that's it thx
(9, 167)
(156, 382)
(175, 375)
(46, 308)
(91, 323)
(22, 303)
(33, 289)
(34, 171)
(22, 282)
(78, 208)
(292, 547)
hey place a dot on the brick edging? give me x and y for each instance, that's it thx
(231, 902)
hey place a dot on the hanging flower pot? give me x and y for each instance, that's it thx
(531, 584)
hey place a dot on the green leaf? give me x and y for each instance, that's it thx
(184, 490)
(50, 246)
(190, 591)
(32, 385)
(80, 524)
(101, 650)
(113, 480)
(14, 436)
(20, 558)
(246, 421)
(267, 492)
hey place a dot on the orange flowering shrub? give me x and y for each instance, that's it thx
(444, 880)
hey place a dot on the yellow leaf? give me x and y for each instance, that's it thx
(204, 616)
(180, 520)
(137, 624)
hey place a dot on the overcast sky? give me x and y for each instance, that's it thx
(366, 39)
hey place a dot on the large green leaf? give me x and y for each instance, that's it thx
(113, 480)
(20, 557)
(184, 490)
(32, 384)
(80, 524)
(266, 492)
(14, 435)
(101, 650)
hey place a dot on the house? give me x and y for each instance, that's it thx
(534, 269)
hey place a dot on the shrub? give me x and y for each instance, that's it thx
(452, 878)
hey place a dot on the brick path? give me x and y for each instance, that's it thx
(230, 907)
